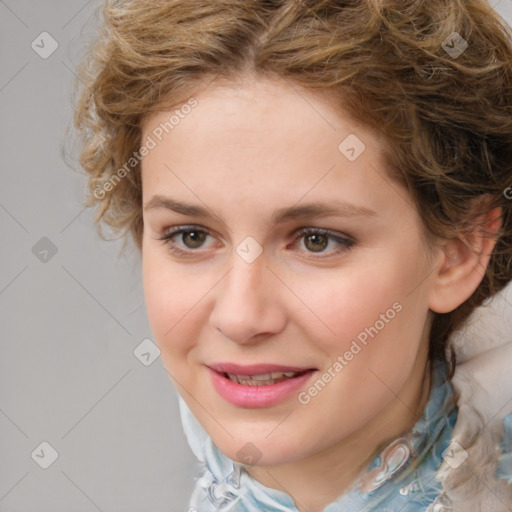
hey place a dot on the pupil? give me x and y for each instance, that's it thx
(317, 237)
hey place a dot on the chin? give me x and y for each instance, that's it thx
(260, 452)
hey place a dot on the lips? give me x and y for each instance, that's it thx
(249, 386)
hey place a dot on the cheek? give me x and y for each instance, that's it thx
(341, 305)
(170, 297)
(367, 313)
(377, 333)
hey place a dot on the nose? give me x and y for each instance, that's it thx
(247, 308)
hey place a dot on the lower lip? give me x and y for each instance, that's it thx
(257, 396)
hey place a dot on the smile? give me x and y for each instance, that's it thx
(258, 390)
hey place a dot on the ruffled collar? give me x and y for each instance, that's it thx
(402, 476)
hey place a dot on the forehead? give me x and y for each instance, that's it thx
(240, 139)
(254, 113)
(259, 107)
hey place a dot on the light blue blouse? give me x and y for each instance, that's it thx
(400, 478)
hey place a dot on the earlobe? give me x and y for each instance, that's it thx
(463, 263)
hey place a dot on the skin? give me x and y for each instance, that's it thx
(244, 152)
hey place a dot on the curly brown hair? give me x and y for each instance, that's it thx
(432, 77)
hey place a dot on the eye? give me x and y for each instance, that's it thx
(191, 236)
(316, 240)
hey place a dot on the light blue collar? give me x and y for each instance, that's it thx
(401, 477)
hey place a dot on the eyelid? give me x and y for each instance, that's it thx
(323, 231)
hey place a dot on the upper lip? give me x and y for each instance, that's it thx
(255, 369)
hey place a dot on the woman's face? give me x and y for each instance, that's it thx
(242, 172)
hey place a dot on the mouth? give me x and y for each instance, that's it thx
(262, 374)
(261, 385)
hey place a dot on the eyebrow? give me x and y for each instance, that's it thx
(309, 210)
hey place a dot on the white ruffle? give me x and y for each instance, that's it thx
(483, 380)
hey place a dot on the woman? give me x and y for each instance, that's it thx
(318, 192)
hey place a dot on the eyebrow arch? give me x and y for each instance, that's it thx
(309, 210)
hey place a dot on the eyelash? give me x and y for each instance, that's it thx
(345, 242)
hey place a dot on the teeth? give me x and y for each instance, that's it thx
(264, 379)
(263, 376)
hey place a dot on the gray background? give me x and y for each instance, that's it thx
(70, 321)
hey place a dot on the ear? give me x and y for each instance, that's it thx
(463, 262)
